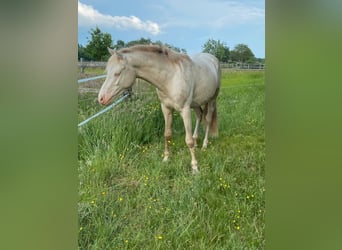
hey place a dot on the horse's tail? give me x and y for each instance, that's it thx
(213, 127)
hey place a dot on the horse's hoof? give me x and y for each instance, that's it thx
(195, 171)
(166, 159)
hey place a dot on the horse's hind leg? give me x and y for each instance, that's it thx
(167, 112)
(199, 112)
(209, 116)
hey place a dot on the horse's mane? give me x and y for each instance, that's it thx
(170, 54)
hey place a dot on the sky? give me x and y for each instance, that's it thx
(186, 24)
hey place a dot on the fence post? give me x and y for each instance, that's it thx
(82, 66)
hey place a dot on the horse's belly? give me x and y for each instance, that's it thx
(198, 103)
(203, 95)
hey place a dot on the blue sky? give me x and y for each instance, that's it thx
(181, 23)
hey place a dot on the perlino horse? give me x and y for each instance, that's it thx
(182, 83)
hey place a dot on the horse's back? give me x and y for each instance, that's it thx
(206, 60)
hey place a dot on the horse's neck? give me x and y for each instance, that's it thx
(150, 68)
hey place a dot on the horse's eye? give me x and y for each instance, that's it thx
(117, 74)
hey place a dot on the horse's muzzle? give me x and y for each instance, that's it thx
(104, 100)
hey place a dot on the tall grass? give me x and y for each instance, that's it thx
(130, 199)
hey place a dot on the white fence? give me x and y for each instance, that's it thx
(243, 66)
(234, 66)
(83, 65)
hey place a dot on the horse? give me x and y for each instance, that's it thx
(182, 82)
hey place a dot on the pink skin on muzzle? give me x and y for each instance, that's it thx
(105, 99)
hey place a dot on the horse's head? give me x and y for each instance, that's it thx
(120, 77)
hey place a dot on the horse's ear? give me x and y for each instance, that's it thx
(114, 52)
(111, 51)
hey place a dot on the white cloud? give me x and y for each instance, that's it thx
(88, 16)
(213, 13)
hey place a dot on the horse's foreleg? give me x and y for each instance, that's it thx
(186, 115)
(199, 113)
(167, 112)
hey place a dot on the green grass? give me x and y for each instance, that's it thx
(130, 199)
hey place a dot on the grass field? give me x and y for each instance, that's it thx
(130, 199)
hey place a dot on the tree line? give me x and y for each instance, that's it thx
(96, 48)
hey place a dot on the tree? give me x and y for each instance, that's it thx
(82, 53)
(140, 41)
(119, 45)
(218, 49)
(242, 53)
(175, 48)
(96, 49)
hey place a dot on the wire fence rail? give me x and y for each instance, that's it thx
(105, 109)
(90, 78)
